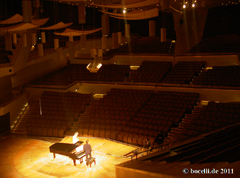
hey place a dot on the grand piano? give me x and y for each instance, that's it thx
(68, 149)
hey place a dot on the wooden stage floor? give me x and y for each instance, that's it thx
(26, 157)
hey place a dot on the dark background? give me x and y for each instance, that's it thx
(221, 20)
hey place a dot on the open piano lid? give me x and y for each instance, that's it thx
(65, 147)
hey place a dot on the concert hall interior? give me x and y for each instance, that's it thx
(152, 85)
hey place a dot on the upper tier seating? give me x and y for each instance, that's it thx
(227, 76)
(54, 113)
(218, 44)
(150, 71)
(183, 72)
(78, 72)
(144, 45)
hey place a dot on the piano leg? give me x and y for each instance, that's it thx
(54, 155)
(74, 162)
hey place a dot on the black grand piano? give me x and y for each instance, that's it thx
(68, 149)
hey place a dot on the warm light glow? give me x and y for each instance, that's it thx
(99, 65)
(75, 140)
(98, 96)
(207, 68)
(88, 65)
(134, 67)
(184, 6)
(32, 47)
(193, 5)
(124, 11)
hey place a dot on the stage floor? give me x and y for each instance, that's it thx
(27, 157)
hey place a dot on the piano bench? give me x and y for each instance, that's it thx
(90, 161)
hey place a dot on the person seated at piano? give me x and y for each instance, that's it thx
(88, 149)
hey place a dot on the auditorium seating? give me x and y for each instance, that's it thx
(206, 119)
(113, 73)
(161, 112)
(150, 71)
(218, 44)
(220, 146)
(224, 76)
(54, 113)
(78, 72)
(133, 115)
(183, 72)
(110, 115)
(144, 45)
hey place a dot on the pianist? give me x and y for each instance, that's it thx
(87, 148)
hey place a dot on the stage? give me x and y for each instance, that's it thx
(29, 157)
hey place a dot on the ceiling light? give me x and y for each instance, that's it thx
(193, 5)
(184, 6)
(124, 11)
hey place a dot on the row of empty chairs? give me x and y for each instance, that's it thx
(206, 119)
(218, 44)
(156, 116)
(220, 146)
(148, 45)
(183, 72)
(55, 110)
(109, 116)
(108, 120)
(78, 72)
(151, 71)
(226, 76)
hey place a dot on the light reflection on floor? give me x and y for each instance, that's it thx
(23, 157)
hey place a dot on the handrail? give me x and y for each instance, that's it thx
(136, 153)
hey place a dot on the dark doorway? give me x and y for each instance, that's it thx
(5, 123)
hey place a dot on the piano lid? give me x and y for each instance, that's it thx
(65, 147)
